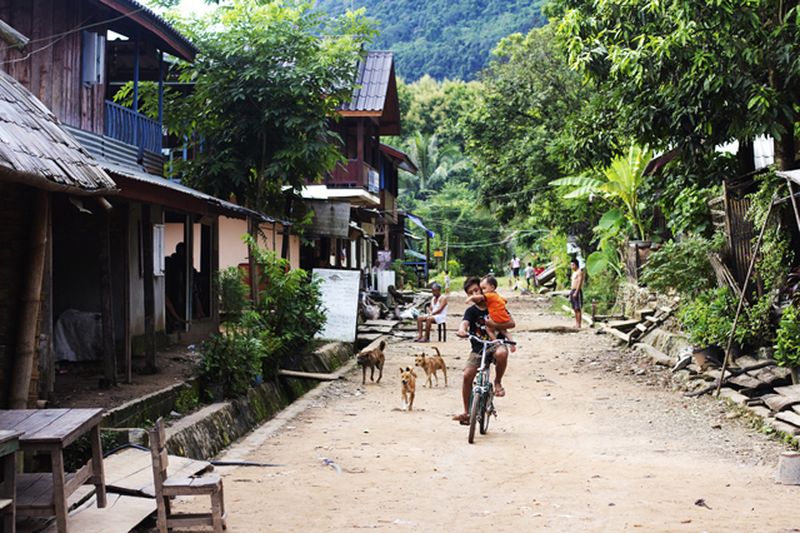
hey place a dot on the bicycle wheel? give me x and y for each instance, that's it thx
(474, 412)
(486, 413)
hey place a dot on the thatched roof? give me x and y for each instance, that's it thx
(37, 151)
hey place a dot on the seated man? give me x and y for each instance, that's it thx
(474, 322)
(437, 313)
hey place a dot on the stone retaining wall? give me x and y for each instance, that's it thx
(204, 434)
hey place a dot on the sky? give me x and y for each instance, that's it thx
(195, 6)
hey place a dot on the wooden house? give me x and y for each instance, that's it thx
(158, 242)
(42, 168)
(367, 179)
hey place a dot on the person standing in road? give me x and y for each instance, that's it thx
(515, 271)
(528, 275)
(576, 291)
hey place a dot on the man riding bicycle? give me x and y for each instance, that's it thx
(474, 322)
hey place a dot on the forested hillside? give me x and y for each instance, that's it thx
(443, 38)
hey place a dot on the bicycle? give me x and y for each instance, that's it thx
(481, 399)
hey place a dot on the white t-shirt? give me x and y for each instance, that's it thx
(528, 271)
(515, 262)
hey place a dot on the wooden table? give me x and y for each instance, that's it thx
(9, 444)
(50, 431)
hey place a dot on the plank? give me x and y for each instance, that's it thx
(5, 503)
(789, 390)
(745, 381)
(308, 375)
(130, 471)
(624, 337)
(623, 325)
(381, 323)
(789, 417)
(122, 513)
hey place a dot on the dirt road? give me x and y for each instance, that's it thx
(579, 445)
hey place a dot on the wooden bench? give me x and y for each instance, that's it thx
(9, 444)
(167, 488)
(442, 332)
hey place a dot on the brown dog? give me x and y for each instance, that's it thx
(372, 359)
(408, 381)
(431, 365)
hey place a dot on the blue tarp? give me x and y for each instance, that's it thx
(416, 220)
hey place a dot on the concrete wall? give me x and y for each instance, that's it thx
(232, 250)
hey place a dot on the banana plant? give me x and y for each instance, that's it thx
(619, 185)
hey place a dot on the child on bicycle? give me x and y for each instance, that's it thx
(499, 318)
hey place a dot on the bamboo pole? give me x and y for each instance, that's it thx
(31, 304)
(794, 202)
(754, 254)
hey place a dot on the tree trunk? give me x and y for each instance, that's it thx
(31, 304)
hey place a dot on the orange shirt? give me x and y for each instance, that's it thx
(496, 305)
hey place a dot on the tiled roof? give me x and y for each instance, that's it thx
(36, 150)
(372, 82)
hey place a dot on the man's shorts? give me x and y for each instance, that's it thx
(576, 300)
(516, 272)
(474, 359)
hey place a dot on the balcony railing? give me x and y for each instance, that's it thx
(132, 128)
(354, 173)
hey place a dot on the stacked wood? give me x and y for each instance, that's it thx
(630, 330)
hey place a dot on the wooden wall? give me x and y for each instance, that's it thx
(15, 224)
(50, 67)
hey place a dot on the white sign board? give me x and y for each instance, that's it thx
(339, 290)
(385, 278)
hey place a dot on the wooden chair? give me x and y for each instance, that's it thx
(166, 488)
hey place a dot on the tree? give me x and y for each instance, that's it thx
(515, 133)
(691, 73)
(266, 83)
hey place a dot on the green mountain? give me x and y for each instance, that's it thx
(443, 38)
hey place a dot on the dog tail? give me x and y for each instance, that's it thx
(438, 354)
(383, 345)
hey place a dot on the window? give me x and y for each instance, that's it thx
(93, 58)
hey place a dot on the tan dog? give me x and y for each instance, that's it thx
(372, 359)
(408, 381)
(431, 365)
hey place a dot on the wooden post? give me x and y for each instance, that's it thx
(12, 36)
(188, 271)
(30, 304)
(794, 202)
(753, 256)
(251, 260)
(149, 290)
(126, 297)
(107, 301)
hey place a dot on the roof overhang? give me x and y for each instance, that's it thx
(404, 162)
(173, 41)
(791, 175)
(142, 186)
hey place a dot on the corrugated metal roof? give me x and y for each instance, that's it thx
(34, 145)
(372, 82)
(158, 181)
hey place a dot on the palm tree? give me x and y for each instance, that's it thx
(434, 162)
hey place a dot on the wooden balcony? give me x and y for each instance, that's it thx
(132, 128)
(354, 173)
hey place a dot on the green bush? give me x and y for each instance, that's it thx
(787, 348)
(232, 359)
(289, 311)
(555, 246)
(681, 266)
(707, 320)
(602, 288)
(233, 297)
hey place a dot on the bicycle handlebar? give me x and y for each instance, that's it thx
(487, 342)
